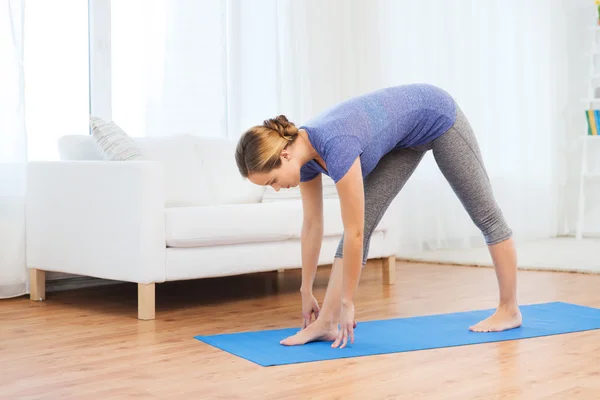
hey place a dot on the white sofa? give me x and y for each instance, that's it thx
(182, 213)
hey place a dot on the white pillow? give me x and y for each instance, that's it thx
(113, 142)
(78, 147)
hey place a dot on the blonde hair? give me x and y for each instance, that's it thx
(260, 147)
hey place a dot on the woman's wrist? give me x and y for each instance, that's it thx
(352, 268)
(306, 289)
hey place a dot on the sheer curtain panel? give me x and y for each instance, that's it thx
(13, 151)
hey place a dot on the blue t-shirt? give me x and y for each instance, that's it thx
(371, 125)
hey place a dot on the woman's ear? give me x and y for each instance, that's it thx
(285, 153)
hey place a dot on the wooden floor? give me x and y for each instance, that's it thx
(88, 344)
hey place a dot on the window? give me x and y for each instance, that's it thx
(168, 72)
(55, 63)
(155, 67)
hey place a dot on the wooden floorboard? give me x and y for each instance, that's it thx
(88, 343)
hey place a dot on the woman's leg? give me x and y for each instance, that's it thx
(381, 187)
(458, 156)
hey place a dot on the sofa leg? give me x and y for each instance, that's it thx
(146, 301)
(37, 283)
(389, 270)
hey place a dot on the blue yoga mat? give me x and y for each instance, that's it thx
(407, 334)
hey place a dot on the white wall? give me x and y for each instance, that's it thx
(579, 17)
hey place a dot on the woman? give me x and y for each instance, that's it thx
(370, 145)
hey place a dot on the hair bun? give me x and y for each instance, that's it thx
(283, 126)
(280, 121)
(283, 121)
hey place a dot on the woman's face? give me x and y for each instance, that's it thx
(284, 177)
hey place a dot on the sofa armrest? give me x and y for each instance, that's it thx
(97, 218)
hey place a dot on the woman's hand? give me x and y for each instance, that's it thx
(347, 325)
(310, 306)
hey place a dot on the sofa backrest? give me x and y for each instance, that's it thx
(198, 171)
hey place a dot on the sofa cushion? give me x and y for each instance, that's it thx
(227, 184)
(246, 223)
(198, 171)
(229, 224)
(187, 179)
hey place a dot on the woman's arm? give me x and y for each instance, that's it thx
(351, 192)
(352, 201)
(312, 230)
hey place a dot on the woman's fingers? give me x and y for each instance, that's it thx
(346, 332)
(306, 320)
(338, 339)
(344, 336)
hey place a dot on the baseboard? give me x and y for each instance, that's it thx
(560, 254)
(585, 235)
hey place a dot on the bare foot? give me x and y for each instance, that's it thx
(317, 331)
(503, 319)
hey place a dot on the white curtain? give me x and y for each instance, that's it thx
(502, 60)
(247, 61)
(298, 57)
(213, 68)
(13, 151)
(216, 67)
(168, 67)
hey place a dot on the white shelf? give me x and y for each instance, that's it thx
(591, 102)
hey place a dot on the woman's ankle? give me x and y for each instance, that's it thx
(327, 321)
(509, 305)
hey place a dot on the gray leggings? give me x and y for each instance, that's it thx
(457, 154)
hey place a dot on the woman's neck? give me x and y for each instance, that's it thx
(306, 150)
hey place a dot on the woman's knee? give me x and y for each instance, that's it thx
(494, 228)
